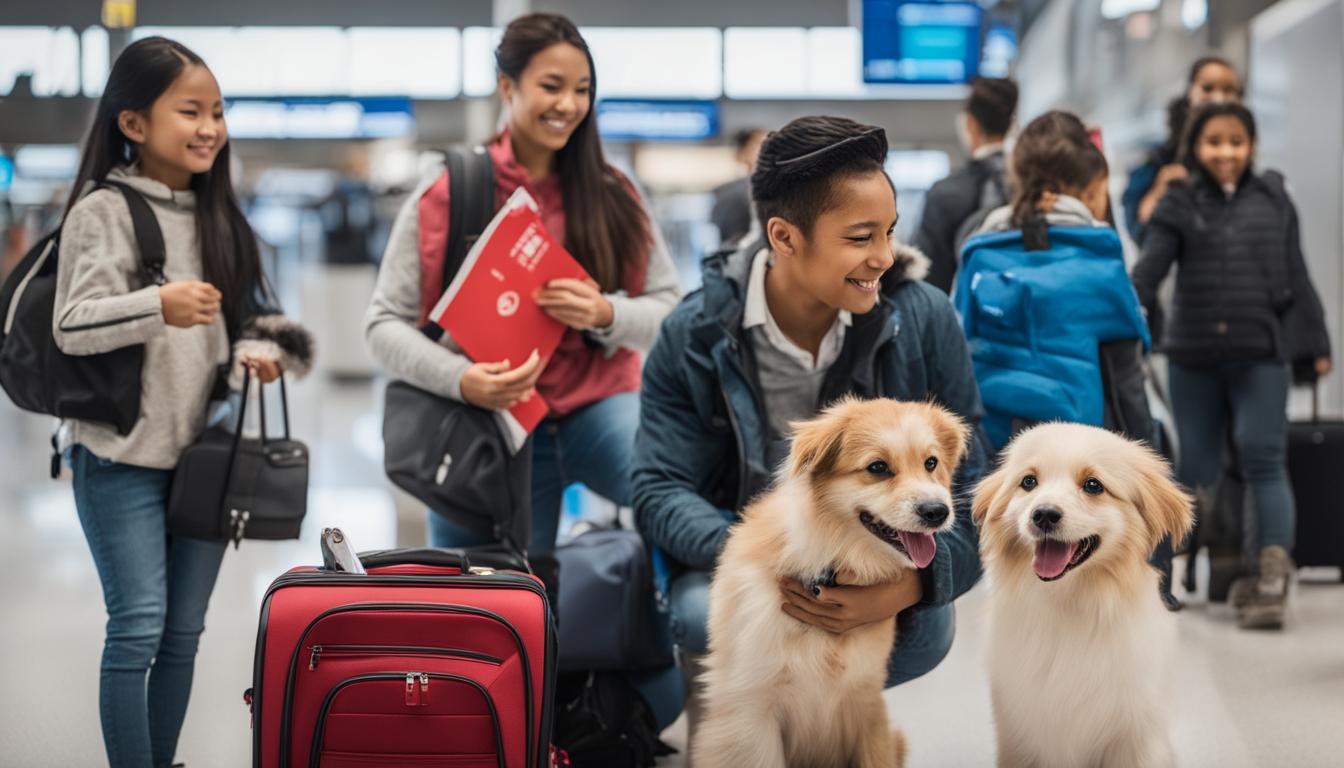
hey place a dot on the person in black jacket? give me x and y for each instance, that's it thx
(1244, 309)
(980, 184)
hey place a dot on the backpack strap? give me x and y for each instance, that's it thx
(471, 205)
(148, 235)
(993, 192)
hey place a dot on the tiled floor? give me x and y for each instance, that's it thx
(1240, 699)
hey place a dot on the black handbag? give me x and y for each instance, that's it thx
(228, 487)
(454, 458)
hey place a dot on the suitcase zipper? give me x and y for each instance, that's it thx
(431, 607)
(417, 688)
(316, 652)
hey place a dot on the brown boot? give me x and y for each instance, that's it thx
(1266, 596)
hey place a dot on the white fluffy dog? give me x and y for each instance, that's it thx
(1079, 643)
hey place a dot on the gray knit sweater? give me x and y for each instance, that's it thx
(101, 305)
(437, 367)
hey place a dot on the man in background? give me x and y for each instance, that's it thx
(979, 185)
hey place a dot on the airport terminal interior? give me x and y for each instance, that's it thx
(338, 112)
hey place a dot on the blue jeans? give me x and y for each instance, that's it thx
(923, 637)
(1256, 396)
(591, 446)
(156, 588)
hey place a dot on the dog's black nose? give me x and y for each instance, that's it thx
(933, 512)
(1046, 518)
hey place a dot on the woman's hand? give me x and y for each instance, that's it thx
(1165, 176)
(578, 304)
(847, 605)
(264, 369)
(494, 387)
(189, 302)
(1323, 366)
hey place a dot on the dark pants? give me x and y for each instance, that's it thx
(1256, 396)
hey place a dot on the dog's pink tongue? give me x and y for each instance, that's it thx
(920, 547)
(1052, 557)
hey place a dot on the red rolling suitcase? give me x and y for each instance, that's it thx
(424, 661)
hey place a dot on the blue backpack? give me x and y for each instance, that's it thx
(1036, 318)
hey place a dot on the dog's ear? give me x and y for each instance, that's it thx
(816, 443)
(987, 494)
(1166, 509)
(953, 435)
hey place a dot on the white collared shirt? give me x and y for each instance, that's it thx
(790, 378)
(757, 313)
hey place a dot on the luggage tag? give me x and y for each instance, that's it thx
(337, 554)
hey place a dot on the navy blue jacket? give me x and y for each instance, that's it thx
(700, 454)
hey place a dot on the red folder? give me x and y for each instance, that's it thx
(489, 309)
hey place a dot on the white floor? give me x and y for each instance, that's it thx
(1240, 699)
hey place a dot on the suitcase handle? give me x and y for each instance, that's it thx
(445, 558)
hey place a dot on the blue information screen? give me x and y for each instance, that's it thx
(320, 118)
(657, 120)
(914, 42)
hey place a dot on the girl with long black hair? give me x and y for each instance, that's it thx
(159, 129)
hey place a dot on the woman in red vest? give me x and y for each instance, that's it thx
(550, 147)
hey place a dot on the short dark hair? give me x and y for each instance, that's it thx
(1201, 118)
(993, 102)
(1053, 151)
(800, 163)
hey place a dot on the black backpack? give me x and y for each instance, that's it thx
(35, 373)
(602, 721)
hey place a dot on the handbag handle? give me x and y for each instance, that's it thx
(448, 558)
(239, 523)
(261, 404)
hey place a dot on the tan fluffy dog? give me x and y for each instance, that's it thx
(1079, 642)
(866, 487)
